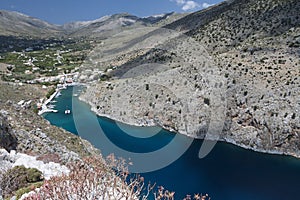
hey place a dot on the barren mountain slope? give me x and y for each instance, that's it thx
(245, 50)
(17, 24)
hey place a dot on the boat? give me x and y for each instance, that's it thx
(51, 106)
(58, 94)
(67, 111)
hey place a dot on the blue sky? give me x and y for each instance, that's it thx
(62, 11)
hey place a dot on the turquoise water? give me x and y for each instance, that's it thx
(227, 173)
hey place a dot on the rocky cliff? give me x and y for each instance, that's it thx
(7, 139)
(233, 75)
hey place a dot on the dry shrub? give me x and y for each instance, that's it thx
(51, 157)
(93, 178)
(163, 194)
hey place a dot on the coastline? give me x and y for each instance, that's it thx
(226, 140)
(94, 110)
(44, 108)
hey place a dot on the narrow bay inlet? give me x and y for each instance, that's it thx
(144, 100)
(229, 172)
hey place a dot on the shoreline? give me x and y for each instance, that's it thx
(44, 108)
(58, 88)
(93, 109)
(226, 140)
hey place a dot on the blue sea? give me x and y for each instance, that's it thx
(227, 173)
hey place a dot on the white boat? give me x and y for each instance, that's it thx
(67, 112)
(57, 95)
(61, 87)
(51, 106)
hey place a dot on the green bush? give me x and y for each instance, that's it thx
(27, 189)
(18, 177)
(50, 92)
(207, 101)
(33, 175)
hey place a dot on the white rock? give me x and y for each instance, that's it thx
(12, 153)
(3, 154)
(21, 102)
(48, 169)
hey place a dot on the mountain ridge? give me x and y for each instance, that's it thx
(14, 23)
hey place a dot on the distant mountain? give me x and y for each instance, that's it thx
(108, 25)
(158, 18)
(18, 24)
(80, 24)
(102, 27)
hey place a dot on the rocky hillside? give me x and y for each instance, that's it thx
(30, 140)
(237, 69)
(256, 45)
(21, 129)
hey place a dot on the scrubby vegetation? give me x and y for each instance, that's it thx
(50, 92)
(18, 177)
(95, 179)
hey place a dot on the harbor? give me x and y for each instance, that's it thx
(44, 107)
(66, 81)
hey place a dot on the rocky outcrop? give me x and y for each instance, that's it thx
(7, 139)
(33, 141)
(12, 159)
(9, 160)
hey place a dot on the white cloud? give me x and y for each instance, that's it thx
(206, 5)
(186, 5)
(179, 2)
(190, 5)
